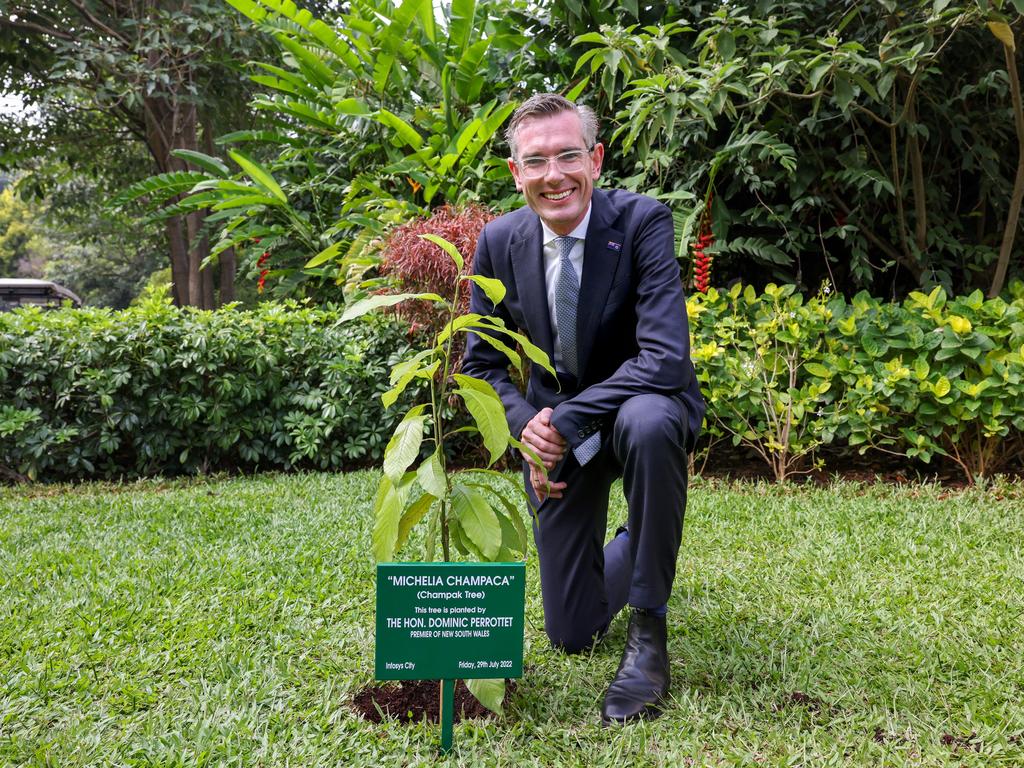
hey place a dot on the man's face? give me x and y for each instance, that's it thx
(560, 198)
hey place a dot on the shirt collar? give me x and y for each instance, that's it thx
(580, 232)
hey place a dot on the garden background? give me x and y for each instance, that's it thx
(221, 179)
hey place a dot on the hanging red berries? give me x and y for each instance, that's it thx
(264, 271)
(701, 258)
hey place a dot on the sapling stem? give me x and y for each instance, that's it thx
(436, 398)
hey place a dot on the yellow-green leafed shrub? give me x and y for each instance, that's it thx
(785, 375)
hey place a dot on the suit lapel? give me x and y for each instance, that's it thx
(601, 253)
(526, 252)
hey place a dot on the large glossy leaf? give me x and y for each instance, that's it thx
(461, 25)
(489, 692)
(325, 255)
(447, 247)
(207, 162)
(406, 132)
(488, 412)
(404, 447)
(387, 510)
(476, 518)
(430, 476)
(412, 515)
(492, 287)
(376, 302)
(258, 174)
(313, 67)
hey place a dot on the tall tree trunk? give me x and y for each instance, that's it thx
(170, 125)
(228, 266)
(226, 260)
(195, 259)
(1013, 214)
(178, 245)
(917, 180)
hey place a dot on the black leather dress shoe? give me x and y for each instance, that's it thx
(642, 682)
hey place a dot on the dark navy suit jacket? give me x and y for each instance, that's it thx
(632, 333)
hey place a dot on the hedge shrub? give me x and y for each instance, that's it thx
(785, 375)
(159, 390)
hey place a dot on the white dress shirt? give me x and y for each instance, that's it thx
(553, 268)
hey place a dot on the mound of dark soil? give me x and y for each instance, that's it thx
(411, 701)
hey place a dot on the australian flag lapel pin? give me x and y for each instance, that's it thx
(613, 246)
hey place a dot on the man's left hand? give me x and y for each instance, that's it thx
(542, 487)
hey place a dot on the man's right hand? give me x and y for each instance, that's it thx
(543, 439)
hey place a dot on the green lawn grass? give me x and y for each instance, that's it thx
(230, 622)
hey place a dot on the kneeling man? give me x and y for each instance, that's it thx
(591, 278)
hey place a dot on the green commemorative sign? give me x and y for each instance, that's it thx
(449, 620)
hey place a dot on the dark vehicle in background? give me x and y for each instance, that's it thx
(20, 292)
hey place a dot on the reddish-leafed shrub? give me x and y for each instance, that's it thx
(417, 265)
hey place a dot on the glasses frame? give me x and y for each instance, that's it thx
(586, 152)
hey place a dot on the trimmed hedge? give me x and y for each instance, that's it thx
(785, 375)
(159, 390)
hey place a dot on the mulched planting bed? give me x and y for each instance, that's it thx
(412, 701)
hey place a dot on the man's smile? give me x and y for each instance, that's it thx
(556, 196)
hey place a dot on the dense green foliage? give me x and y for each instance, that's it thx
(158, 390)
(154, 390)
(873, 144)
(375, 115)
(230, 623)
(786, 376)
(876, 144)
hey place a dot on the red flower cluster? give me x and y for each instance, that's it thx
(701, 259)
(264, 271)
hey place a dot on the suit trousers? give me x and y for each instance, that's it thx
(581, 588)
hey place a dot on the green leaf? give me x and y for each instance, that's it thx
(493, 288)
(258, 174)
(430, 476)
(162, 186)
(387, 513)
(364, 306)
(488, 412)
(208, 163)
(425, 372)
(535, 353)
(726, 44)
(325, 255)
(404, 446)
(512, 511)
(843, 91)
(477, 519)
(489, 692)
(405, 132)
(350, 107)
(816, 369)
(502, 347)
(413, 514)
(448, 248)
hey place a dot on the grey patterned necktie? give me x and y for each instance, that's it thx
(567, 297)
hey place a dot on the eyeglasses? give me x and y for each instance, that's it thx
(570, 161)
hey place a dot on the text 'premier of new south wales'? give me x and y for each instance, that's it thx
(454, 608)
